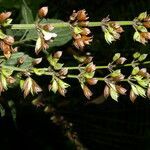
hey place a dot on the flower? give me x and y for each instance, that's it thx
(30, 86)
(87, 92)
(81, 35)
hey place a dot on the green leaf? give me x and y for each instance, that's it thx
(26, 13)
(63, 34)
(13, 60)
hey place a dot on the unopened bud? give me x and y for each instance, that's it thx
(146, 24)
(43, 12)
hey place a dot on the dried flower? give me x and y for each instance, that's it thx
(43, 12)
(121, 60)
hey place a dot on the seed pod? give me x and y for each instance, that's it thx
(43, 12)
(106, 91)
(121, 60)
(121, 90)
(133, 96)
(90, 68)
(87, 92)
(92, 81)
(146, 24)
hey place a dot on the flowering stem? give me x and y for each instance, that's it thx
(105, 67)
(64, 24)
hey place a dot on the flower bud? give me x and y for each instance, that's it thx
(106, 91)
(43, 12)
(57, 54)
(92, 81)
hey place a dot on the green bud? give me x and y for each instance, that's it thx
(135, 70)
(136, 55)
(116, 56)
(142, 16)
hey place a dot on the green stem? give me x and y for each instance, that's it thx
(64, 24)
(105, 67)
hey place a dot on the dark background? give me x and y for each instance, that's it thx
(111, 125)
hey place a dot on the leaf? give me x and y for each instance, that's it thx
(63, 34)
(26, 13)
(13, 60)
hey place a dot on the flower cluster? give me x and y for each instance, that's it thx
(44, 33)
(81, 34)
(142, 23)
(112, 30)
